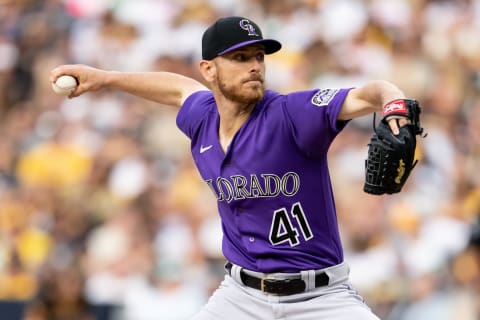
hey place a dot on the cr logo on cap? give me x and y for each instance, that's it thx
(246, 25)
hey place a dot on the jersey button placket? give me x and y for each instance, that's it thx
(227, 160)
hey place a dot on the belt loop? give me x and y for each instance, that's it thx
(308, 276)
(235, 273)
(338, 273)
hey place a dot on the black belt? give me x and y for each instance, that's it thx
(279, 287)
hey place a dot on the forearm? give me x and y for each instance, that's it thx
(369, 98)
(162, 87)
(379, 93)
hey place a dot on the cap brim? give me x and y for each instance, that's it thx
(271, 46)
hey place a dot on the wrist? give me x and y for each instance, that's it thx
(109, 79)
(396, 107)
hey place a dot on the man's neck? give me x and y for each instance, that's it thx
(232, 117)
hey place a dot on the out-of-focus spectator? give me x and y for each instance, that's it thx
(60, 297)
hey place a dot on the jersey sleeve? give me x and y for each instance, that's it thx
(313, 116)
(193, 111)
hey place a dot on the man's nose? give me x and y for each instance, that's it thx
(255, 65)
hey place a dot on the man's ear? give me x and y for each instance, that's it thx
(208, 70)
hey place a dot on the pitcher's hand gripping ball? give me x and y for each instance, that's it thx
(64, 85)
(391, 157)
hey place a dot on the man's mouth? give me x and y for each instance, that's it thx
(259, 80)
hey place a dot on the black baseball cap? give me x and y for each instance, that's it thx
(230, 33)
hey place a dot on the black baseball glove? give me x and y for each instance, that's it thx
(391, 157)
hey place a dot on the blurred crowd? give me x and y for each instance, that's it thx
(101, 205)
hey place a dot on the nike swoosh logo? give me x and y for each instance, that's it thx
(203, 149)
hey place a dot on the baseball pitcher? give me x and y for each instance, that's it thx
(264, 156)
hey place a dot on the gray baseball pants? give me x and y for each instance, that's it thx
(337, 301)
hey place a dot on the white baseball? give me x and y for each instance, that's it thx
(64, 85)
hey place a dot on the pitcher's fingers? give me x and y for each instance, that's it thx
(71, 70)
(392, 123)
(403, 121)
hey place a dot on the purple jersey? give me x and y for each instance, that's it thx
(272, 185)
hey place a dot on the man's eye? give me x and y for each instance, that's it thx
(260, 56)
(240, 57)
(243, 57)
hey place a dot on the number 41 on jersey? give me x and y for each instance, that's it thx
(282, 230)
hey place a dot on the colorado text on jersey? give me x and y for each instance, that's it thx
(265, 185)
